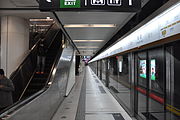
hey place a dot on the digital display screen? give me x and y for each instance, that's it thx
(142, 69)
(153, 69)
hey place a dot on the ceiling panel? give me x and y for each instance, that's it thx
(18, 3)
(88, 43)
(26, 13)
(25, 3)
(87, 49)
(118, 18)
(93, 17)
(90, 33)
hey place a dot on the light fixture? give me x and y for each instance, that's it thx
(48, 18)
(63, 46)
(88, 25)
(88, 40)
(87, 50)
(87, 47)
(40, 25)
(36, 20)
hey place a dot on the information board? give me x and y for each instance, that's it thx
(90, 5)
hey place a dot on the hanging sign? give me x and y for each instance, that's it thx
(90, 5)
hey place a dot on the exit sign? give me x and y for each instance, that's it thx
(70, 3)
(91, 5)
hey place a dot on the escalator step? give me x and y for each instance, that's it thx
(38, 80)
(37, 87)
(31, 91)
(45, 75)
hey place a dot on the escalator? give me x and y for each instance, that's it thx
(25, 79)
(38, 81)
(38, 96)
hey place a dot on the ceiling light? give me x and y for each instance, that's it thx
(89, 25)
(36, 20)
(87, 47)
(63, 46)
(48, 18)
(88, 40)
(40, 25)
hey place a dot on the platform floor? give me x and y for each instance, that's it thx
(99, 103)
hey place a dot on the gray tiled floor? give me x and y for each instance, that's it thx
(100, 106)
(68, 108)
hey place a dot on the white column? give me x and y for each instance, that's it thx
(14, 42)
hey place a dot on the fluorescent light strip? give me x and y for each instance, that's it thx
(130, 2)
(40, 25)
(88, 40)
(88, 25)
(48, 18)
(36, 20)
(87, 47)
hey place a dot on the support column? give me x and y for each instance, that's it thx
(14, 42)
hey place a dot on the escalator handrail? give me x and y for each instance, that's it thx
(53, 39)
(13, 74)
(26, 87)
(21, 103)
(49, 28)
(53, 66)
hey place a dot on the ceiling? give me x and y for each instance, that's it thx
(27, 14)
(18, 3)
(91, 33)
(85, 33)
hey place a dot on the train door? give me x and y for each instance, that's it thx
(149, 85)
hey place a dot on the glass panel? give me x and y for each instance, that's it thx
(173, 82)
(103, 71)
(113, 74)
(93, 66)
(99, 68)
(124, 83)
(175, 90)
(119, 79)
(141, 85)
(156, 84)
